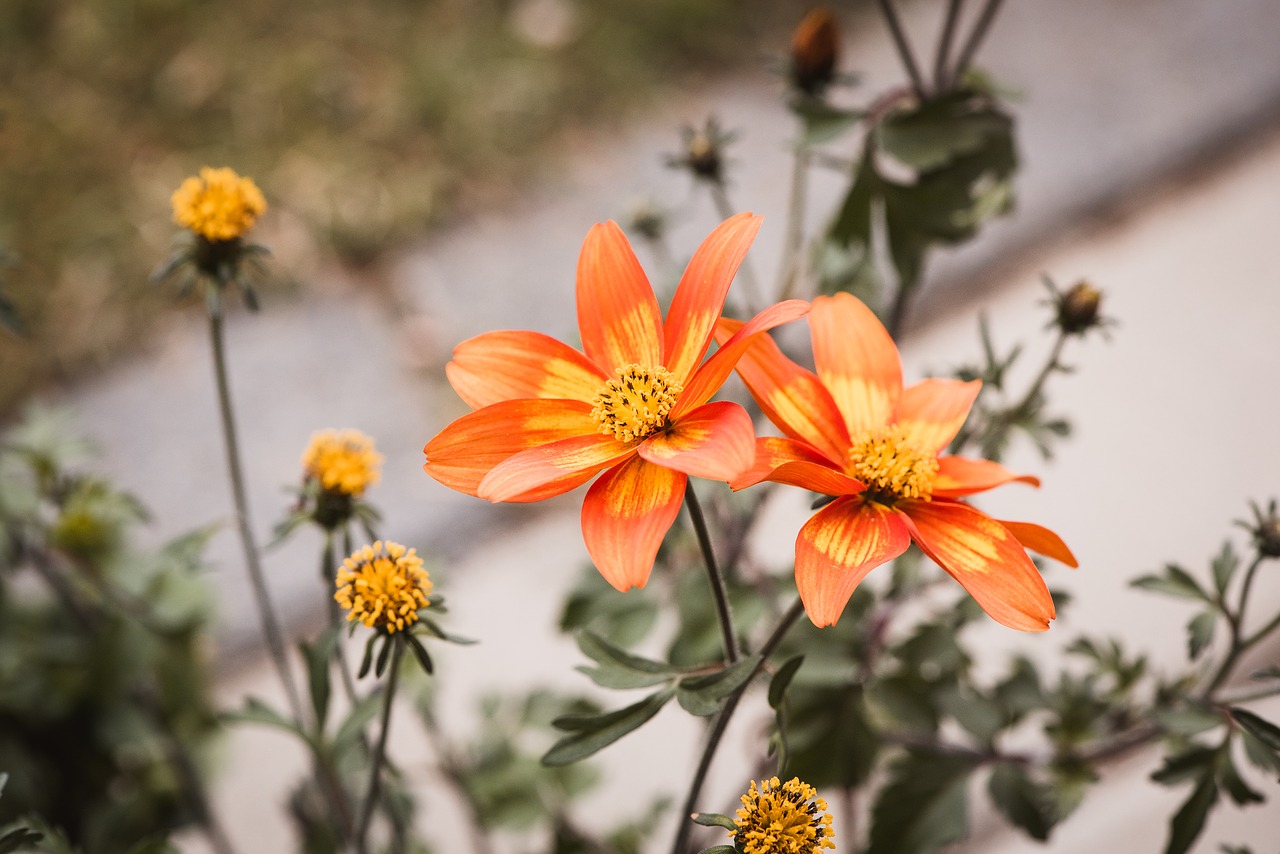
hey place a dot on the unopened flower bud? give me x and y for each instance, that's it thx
(1265, 529)
(703, 153)
(1080, 308)
(815, 49)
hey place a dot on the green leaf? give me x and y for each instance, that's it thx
(823, 122)
(782, 679)
(923, 806)
(257, 712)
(1175, 582)
(714, 819)
(1224, 567)
(1025, 803)
(1263, 730)
(318, 657)
(1189, 721)
(852, 225)
(719, 849)
(939, 131)
(1263, 757)
(1189, 820)
(19, 838)
(1237, 789)
(703, 695)
(1235, 849)
(358, 718)
(619, 668)
(1190, 764)
(1200, 632)
(591, 733)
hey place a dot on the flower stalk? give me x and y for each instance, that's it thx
(719, 593)
(379, 750)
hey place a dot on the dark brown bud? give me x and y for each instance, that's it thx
(1265, 529)
(815, 49)
(1080, 308)
(703, 153)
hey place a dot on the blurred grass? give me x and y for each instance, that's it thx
(364, 122)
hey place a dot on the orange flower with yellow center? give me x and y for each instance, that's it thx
(632, 404)
(853, 432)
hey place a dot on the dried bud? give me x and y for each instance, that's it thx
(1078, 309)
(815, 49)
(703, 152)
(1265, 529)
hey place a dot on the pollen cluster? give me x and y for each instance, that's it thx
(636, 403)
(383, 586)
(342, 461)
(891, 466)
(785, 818)
(219, 205)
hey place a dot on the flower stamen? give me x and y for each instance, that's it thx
(383, 586)
(783, 818)
(636, 403)
(892, 466)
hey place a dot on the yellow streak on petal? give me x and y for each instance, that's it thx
(640, 342)
(865, 405)
(564, 379)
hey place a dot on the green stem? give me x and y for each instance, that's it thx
(380, 751)
(270, 624)
(976, 37)
(751, 301)
(944, 44)
(722, 723)
(327, 572)
(903, 47)
(1239, 643)
(793, 257)
(719, 594)
(898, 314)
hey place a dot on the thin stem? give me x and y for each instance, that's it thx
(1239, 643)
(380, 751)
(944, 44)
(270, 624)
(722, 723)
(1037, 385)
(751, 301)
(793, 257)
(976, 37)
(327, 564)
(903, 47)
(898, 314)
(719, 594)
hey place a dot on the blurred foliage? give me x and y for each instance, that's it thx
(364, 123)
(103, 687)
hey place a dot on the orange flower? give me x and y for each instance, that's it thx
(633, 404)
(853, 432)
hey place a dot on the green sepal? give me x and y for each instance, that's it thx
(384, 655)
(433, 628)
(366, 661)
(714, 819)
(1263, 730)
(420, 653)
(719, 849)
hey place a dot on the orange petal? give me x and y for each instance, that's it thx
(857, 361)
(838, 547)
(552, 469)
(790, 396)
(986, 558)
(959, 476)
(511, 365)
(716, 441)
(707, 380)
(1042, 541)
(618, 315)
(796, 464)
(625, 515)
(701, 293)
(464, 452)
(933, 411)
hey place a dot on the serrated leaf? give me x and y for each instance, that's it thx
(1175, 582)
(1200, 633)
(1025, 803)
(1224, 567)
(1190, 764)
(1187, 823)
(1263, 730)
(595, 732)
(922, 807)
(703, 695)
(782, 679)
(1187, 722)
(714, 819)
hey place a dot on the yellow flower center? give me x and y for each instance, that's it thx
(635, 404)
(219, 205)
(383, 588)
(784, 818)
(891, 466)
(342, 461)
